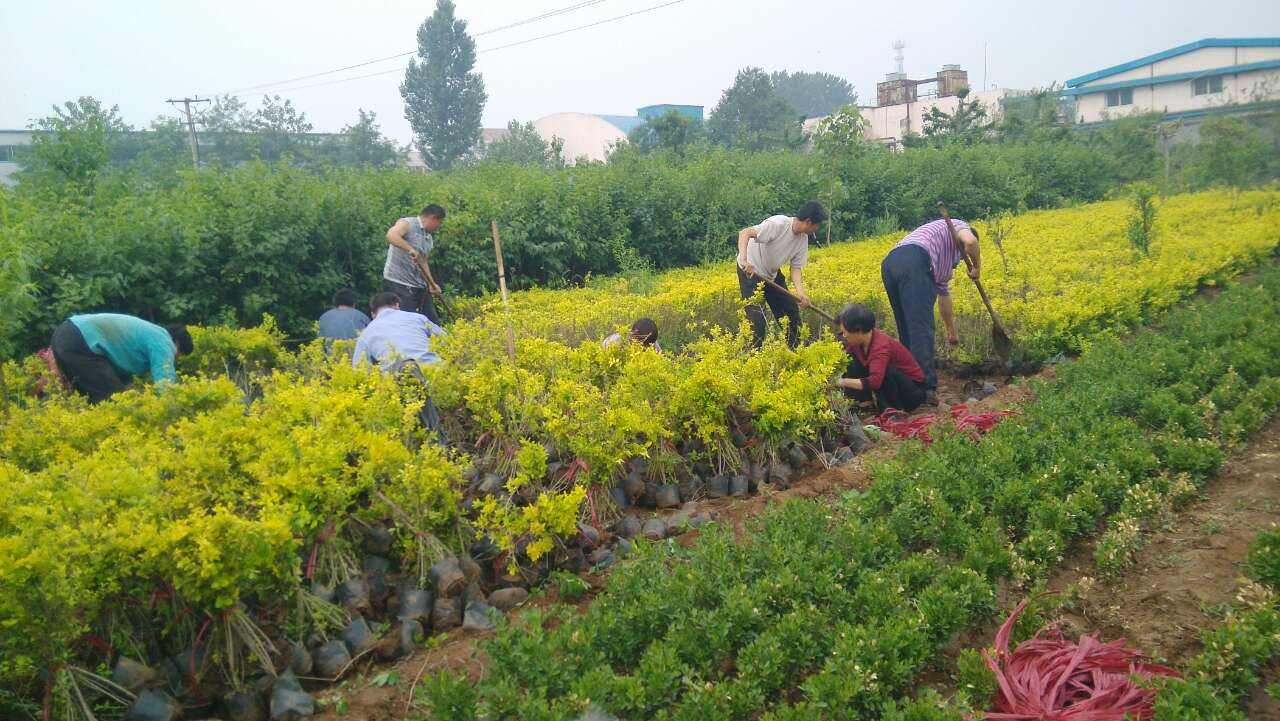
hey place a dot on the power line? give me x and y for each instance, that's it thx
(508, 26)
(483, 50)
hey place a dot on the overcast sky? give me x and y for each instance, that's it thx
(136, 54)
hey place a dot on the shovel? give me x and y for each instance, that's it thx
(999, 336)
(793, 296)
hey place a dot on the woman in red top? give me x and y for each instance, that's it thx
(879, 366)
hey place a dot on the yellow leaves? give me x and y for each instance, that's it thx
(1070, 272)
(535, 526)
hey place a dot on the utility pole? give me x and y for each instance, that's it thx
(984, 66)
(191, 125)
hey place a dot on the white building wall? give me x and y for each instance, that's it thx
(1256, 86)
(887, 122)
(1179, 96)
(1135, 74)
(1257, 55)
(1196, 60)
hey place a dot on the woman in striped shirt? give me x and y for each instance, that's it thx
(916, 274)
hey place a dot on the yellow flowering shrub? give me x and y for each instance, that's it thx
(197, 496)
(1070, 272)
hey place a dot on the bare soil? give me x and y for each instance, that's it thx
(1188, 571)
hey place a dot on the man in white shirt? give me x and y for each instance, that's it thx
(763, 250)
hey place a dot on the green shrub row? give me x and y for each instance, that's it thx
(227, 246)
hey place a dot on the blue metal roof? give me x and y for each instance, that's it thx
(1174, 52)
(653, 111)
(625, 123)
(1176, 77)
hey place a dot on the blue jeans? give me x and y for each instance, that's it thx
(908, 279)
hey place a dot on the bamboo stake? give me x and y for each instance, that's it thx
(502, 286)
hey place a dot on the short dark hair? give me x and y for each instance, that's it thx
(181, 338)
(433, 210)
(645, 331)
(857, 317)
(813, 212)
(346, 296)
(383, 300)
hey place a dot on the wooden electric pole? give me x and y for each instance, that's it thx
(191, 125)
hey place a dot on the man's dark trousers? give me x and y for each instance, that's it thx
(908, 279)
(88, 372)
(415, 300)
(780, 305)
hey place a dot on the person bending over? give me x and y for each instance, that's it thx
(99, 353)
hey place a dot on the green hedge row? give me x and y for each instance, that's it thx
(230, 245)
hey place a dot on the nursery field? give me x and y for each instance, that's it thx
(1055, 276)
(278, 517)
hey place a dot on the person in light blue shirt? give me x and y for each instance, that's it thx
(99, 353)
(395, 335)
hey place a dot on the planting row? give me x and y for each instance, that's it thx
(1055, 276)
(828, 611)
(279, 510)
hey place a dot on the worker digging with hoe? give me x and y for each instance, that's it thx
(880, 368)
(407, 272)
(763, 250)
(917, 275)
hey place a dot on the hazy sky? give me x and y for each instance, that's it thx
(138, 53)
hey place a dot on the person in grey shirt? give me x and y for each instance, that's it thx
(342, 322)
(763, 250)
(407, 272)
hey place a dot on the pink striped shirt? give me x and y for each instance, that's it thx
(944, 254)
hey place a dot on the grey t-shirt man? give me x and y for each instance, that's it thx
(400, 267)
(342, 323)
(776, 246)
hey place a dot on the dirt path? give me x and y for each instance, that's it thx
(355, 699)
(1186, 573)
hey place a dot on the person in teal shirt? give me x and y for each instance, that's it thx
(100, 353)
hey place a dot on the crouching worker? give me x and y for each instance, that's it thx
(399, 341)
(99, 353)
(644, 331)
(395, 338)
(880, 367)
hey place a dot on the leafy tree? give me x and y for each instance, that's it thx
(673, 130)
(524, 146)
(841, 133)
(1231, 152)
(278, 129)
(1031, 117)
(363, 144)
(751, 115)
(813, 95)
(443, 96)
(967, 124)
(73, 146)
(224, 126)
(1131, 143)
